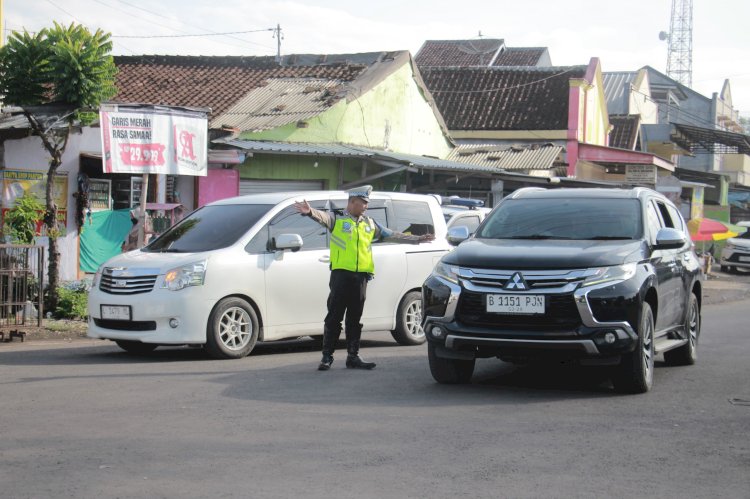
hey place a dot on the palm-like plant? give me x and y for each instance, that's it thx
(58, 76)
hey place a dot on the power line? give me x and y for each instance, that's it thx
(68, 13)
(195, 34)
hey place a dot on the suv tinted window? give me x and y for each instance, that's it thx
(558, 218)
(412, 217)
(289, 221)
(209, 228)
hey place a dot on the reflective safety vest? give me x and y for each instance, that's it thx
(351, 245)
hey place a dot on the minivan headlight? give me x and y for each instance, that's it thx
(192, 274)
(614, 274)
(97, 276)
(446, 271)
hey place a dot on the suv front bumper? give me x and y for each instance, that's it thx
(582, 336)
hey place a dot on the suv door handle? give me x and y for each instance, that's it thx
(325, 259)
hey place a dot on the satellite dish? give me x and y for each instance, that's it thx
(663, 35)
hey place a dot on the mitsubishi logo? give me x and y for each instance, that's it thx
(516, 282)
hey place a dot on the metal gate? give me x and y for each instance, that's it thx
(21, 288)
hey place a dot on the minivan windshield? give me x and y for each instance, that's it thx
(558, 218)
(209, 228)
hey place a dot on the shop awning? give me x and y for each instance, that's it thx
(610, 156)
(699, 140)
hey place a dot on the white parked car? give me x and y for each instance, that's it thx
(251, 268)
(736, 251)
(464, 212)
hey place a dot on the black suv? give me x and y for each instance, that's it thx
(601, 276)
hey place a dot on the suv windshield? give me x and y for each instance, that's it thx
(558, 218)
(209, 228)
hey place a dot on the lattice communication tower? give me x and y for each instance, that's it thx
(680, 55)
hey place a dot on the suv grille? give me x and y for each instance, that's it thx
(130, 285)
(560, 313)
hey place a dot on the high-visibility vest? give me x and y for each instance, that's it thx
(351, 245)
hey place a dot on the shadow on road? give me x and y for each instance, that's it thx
(402, 377)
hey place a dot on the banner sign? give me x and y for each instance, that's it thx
(16, 183)
(145, 139)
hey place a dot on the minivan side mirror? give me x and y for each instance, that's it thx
(669, 238)
(286, 241)
(457, 235)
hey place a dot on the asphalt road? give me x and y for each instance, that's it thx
(85, 420)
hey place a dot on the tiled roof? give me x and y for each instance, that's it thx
(521, 98)
(519, 56)
(481, 53)
(279, 102)
(625, 130)
(213, 82)
(461, 53)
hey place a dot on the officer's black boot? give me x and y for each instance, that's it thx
(330, 338)
(353, 360)
(325, 362)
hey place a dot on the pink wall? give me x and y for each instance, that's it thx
(218, 184)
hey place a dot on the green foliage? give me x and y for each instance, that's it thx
(64, 65)
(22, 219)
(72, 303)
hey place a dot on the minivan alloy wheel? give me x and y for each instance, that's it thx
(235, 328)
(409, 320)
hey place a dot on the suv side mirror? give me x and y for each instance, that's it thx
(286, 241)
(457, 235)
(669, 238)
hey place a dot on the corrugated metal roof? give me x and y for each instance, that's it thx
(8, 122)
(305, 148)
(281, 101)
(617, 90)
(342, 150)
(514, 158)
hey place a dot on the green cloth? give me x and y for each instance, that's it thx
(102, 237)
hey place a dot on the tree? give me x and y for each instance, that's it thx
(58, 77)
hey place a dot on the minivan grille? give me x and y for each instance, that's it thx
(560, 313)
(130, 285)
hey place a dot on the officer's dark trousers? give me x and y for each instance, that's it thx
(347, 296)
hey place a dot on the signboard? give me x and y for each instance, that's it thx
(640, 174)
(16, 183)
(143, 139)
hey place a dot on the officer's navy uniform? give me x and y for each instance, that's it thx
(352, 267)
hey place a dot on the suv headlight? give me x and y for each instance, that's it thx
(446, 271)
(729, 246)
(614, 274)
(192, 274)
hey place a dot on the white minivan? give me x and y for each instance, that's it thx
(251, 268)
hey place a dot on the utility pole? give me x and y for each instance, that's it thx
(277, 35)
(680, 39)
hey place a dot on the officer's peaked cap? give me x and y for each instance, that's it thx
(361, 192)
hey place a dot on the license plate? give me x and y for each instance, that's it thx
(515, 304)
(116, 312)
(745, 258)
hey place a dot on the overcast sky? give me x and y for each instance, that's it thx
(624, 35)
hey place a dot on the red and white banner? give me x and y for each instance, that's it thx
(159, 139)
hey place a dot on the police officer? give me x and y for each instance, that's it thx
(352, 235)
